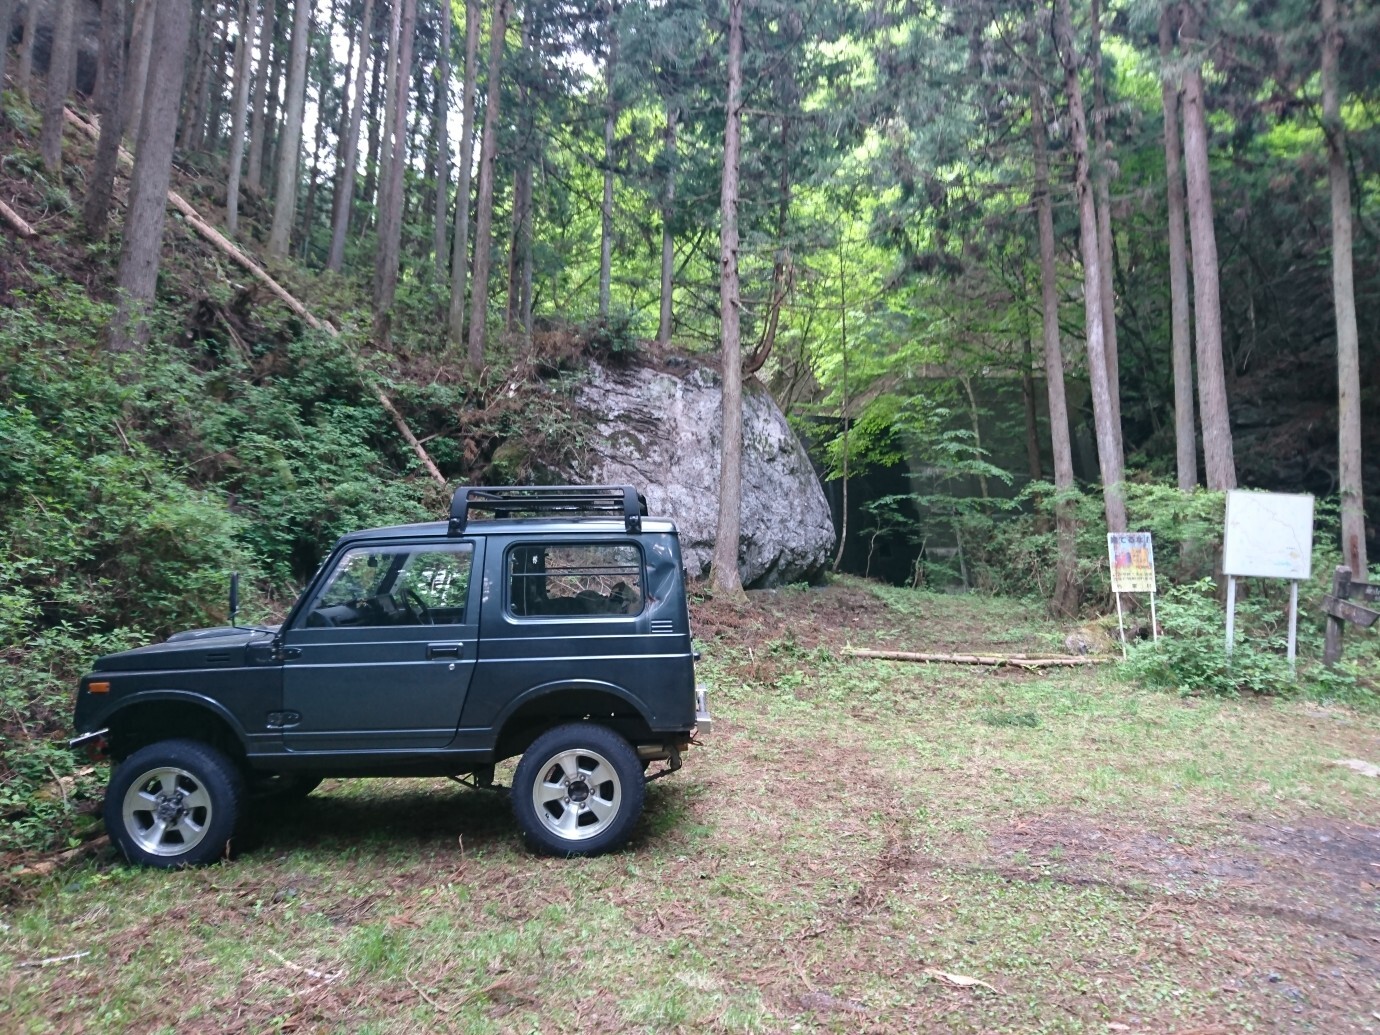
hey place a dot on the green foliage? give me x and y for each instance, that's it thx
(1191, 657)
(125, 503)
(612, 339)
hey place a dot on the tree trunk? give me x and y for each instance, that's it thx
(843, 402)
(390, 233)
(1344, 302)
(6, 21)
(273, 129)
(1106, 266)
(1066, 591)
(459, 253)
(100, 183)
(318, 142)
(1032, 414)
(248, 22)
(61, 64)
(1108, 441)
(520, 254)
(668, 241)
(136, 77)
(1185, 427)
(26, 50)
(148, 191)
(202, 17)
(258, 124)
(727, 578)
(438, 244)
(210, 129)
(388, 146)
(345, 185)
(374, 122)
(488, 158)
(1207, 308)
(610, 124)
(290, 140)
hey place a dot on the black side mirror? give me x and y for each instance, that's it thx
(234, 595)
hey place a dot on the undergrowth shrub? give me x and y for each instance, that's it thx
(1191, 657)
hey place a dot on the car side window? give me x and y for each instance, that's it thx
(574, 579)
(395, 586)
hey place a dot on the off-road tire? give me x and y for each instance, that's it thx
(174, 803)
(578, 790)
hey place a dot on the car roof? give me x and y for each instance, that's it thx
(513, 527)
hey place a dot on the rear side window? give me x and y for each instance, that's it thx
(574, 579)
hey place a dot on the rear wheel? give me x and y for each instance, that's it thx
(173, 803)
(578, 790)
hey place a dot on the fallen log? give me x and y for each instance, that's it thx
(994, 660)
(16, 221)
(46, 866)
(224, 244)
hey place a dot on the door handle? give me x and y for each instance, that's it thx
(442, 650)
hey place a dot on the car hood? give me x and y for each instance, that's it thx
(226, 646)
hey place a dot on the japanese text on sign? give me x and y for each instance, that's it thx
(1132, 561)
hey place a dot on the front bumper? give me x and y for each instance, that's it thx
(94, 745)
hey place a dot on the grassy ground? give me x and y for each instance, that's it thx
(857, 846)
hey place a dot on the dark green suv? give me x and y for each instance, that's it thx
(549, 623)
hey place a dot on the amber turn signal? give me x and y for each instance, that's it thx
(98, 688)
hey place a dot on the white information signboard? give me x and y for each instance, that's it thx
(1269, 535)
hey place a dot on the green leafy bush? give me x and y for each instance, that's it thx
(1191, 657)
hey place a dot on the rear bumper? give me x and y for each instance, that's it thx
(704, 722)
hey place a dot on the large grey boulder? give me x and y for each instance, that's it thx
(661, 429)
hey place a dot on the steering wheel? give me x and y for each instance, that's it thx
(420, 612)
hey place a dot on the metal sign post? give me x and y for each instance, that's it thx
(1131, 559)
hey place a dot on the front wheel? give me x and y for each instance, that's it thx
(578, 790)
(173, 803)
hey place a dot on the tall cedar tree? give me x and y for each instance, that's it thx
(6, 20)
(258, 121)
(727, 578)
(26, 50)
(244, 52)
(1108, 441)
(1101, 161)
(439, 119)
(668, 238)
(61, 67)
(459, 253)
(1181, 318)
(1066, 591)
(390, 229)
(488, 159)
(137, 68)
(1218, 457)
(345, 182)
(610, 124)
(148, 191)
(290, 141)
(100, 181)
(1344, 302)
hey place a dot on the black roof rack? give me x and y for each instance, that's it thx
(528, 500)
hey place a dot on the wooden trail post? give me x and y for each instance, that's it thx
(1341, 610)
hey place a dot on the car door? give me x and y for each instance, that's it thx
(381, 658)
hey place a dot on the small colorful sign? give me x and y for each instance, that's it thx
(1132, 561)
